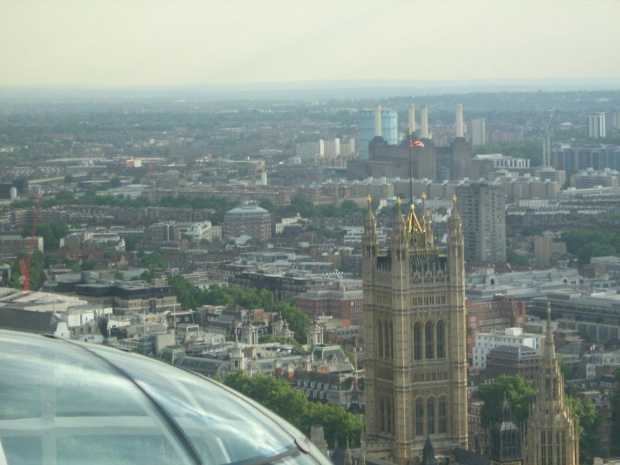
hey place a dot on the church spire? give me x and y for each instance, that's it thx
(549, 344)
(370, 241)
(428, 454)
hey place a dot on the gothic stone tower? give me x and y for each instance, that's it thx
(414, 337)
(552, 434)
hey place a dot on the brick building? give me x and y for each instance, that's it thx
(487, 317)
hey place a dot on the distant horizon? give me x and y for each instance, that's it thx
(332, 89)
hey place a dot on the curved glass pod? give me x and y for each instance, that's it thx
(69, 403)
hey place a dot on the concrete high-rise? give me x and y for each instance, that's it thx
(596, 125)
(478, 132)
(483, 213)
(414, 333)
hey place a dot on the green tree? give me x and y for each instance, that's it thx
(131, 240)
(589, 420)
(294, 406)
(614, 435)
(515, 259)
(518, 391)
(297, 320)
(115, 182)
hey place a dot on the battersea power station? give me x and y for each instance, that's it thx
(386, 159)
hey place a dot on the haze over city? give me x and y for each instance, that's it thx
(161, 43)
(393, 224)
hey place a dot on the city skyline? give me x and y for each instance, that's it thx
(157, 43)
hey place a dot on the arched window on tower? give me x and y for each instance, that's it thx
(428, 336)
(441, 339)
(417, 341)
(386, 339)
(390, 341)
(381, 414)
(430, 415)
(419, 417)
(442, 415)
(380, 332)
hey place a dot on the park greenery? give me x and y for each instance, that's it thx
(520, 394)
(515, 259)
(294, 406)
(191, 296)
(307, 209)
(588, 243)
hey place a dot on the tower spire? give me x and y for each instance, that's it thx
(549, 344)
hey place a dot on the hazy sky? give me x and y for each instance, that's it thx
(171, 42)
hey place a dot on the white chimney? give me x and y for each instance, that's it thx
(424, 115)
(378, 121)
(412, 117)
(459, 120)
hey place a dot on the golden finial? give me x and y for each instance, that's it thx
(398, 201)
(454, 198)
(369, 199)
(423, 195)
(410, 131)
(548, 308)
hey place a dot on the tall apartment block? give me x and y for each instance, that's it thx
(483, 213)
(596, 125)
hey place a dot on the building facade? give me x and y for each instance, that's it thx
(414, 332)
(247, 220)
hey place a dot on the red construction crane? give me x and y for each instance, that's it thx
(25, 264)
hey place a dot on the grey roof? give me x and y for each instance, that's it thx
(513, 351)
(24, 320)
(204, 366)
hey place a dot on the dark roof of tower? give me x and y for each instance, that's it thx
(466, 457)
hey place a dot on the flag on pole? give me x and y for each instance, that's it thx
(416, 143)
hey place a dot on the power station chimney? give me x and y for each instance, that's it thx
(424, 116)
(412, 117)
(378, 121)
(459, 120)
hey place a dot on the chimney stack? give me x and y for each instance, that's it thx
(412, 117)
(424, 131)
(459, 120)
(378, 121)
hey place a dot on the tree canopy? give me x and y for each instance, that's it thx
(294, 407)
(517, 390)
(588, 243)
(589, 420)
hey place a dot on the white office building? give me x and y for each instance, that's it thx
(514, 337)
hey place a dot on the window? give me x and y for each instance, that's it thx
(417, 341)
(442, 415)
(441, 339)
(430, 416)
(419, 417)
(428, 335)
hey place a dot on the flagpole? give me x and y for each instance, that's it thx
(410, 166)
